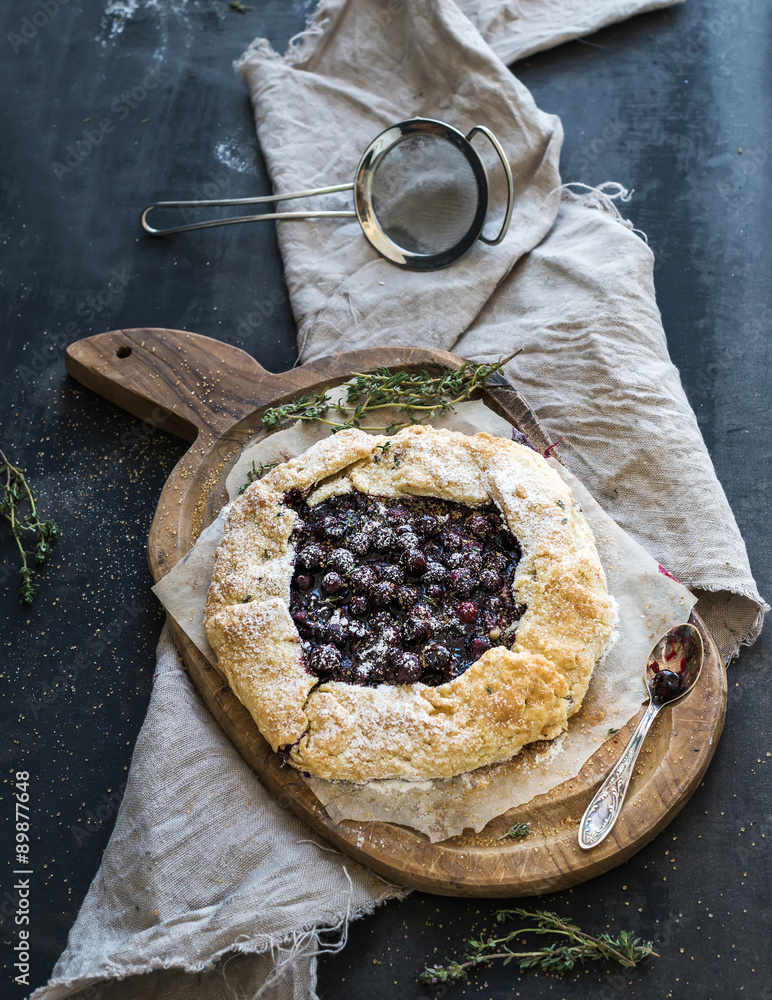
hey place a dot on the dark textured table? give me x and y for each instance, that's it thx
(102, 114)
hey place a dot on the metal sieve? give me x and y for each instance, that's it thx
(421, 196)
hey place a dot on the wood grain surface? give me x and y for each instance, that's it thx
(213, 395)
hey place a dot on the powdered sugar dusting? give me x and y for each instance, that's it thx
(648, 603)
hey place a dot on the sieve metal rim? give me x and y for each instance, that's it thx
(363, 194)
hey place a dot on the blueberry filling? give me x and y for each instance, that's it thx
(394, 592)
(667, 684)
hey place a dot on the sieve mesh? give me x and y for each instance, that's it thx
(424, 194)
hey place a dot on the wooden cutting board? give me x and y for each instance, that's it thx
(213, 395)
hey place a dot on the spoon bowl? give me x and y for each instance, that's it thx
(672, 670)
(674, 664)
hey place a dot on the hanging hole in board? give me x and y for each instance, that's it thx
(123, 352)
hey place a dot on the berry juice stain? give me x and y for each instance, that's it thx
(389, 591)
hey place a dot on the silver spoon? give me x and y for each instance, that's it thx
(671, 672)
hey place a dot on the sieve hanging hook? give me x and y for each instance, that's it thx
(421, 196)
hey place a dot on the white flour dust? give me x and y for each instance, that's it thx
(236, 155)
(119, 13)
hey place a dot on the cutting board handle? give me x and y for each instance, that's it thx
(181, 382)
(198, 388)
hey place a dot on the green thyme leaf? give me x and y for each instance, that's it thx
(518, 832)
(257, 472)
(571, 947)
(16, 494)
(419, 396)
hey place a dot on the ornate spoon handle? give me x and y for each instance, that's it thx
(603, 812)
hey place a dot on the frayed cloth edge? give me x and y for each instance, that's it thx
(301, 47)
(603, 197)
(305, 941)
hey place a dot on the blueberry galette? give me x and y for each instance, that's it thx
(412, 606)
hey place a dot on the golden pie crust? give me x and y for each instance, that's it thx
(509, 697)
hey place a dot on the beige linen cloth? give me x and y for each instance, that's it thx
(208, 887)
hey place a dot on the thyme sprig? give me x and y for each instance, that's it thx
(257, 472)
(421, 396)
(16, 494)
(572, 947)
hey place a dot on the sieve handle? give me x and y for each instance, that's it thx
(263, 199)
(510, 183)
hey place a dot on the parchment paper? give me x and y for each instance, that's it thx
(648, 604)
